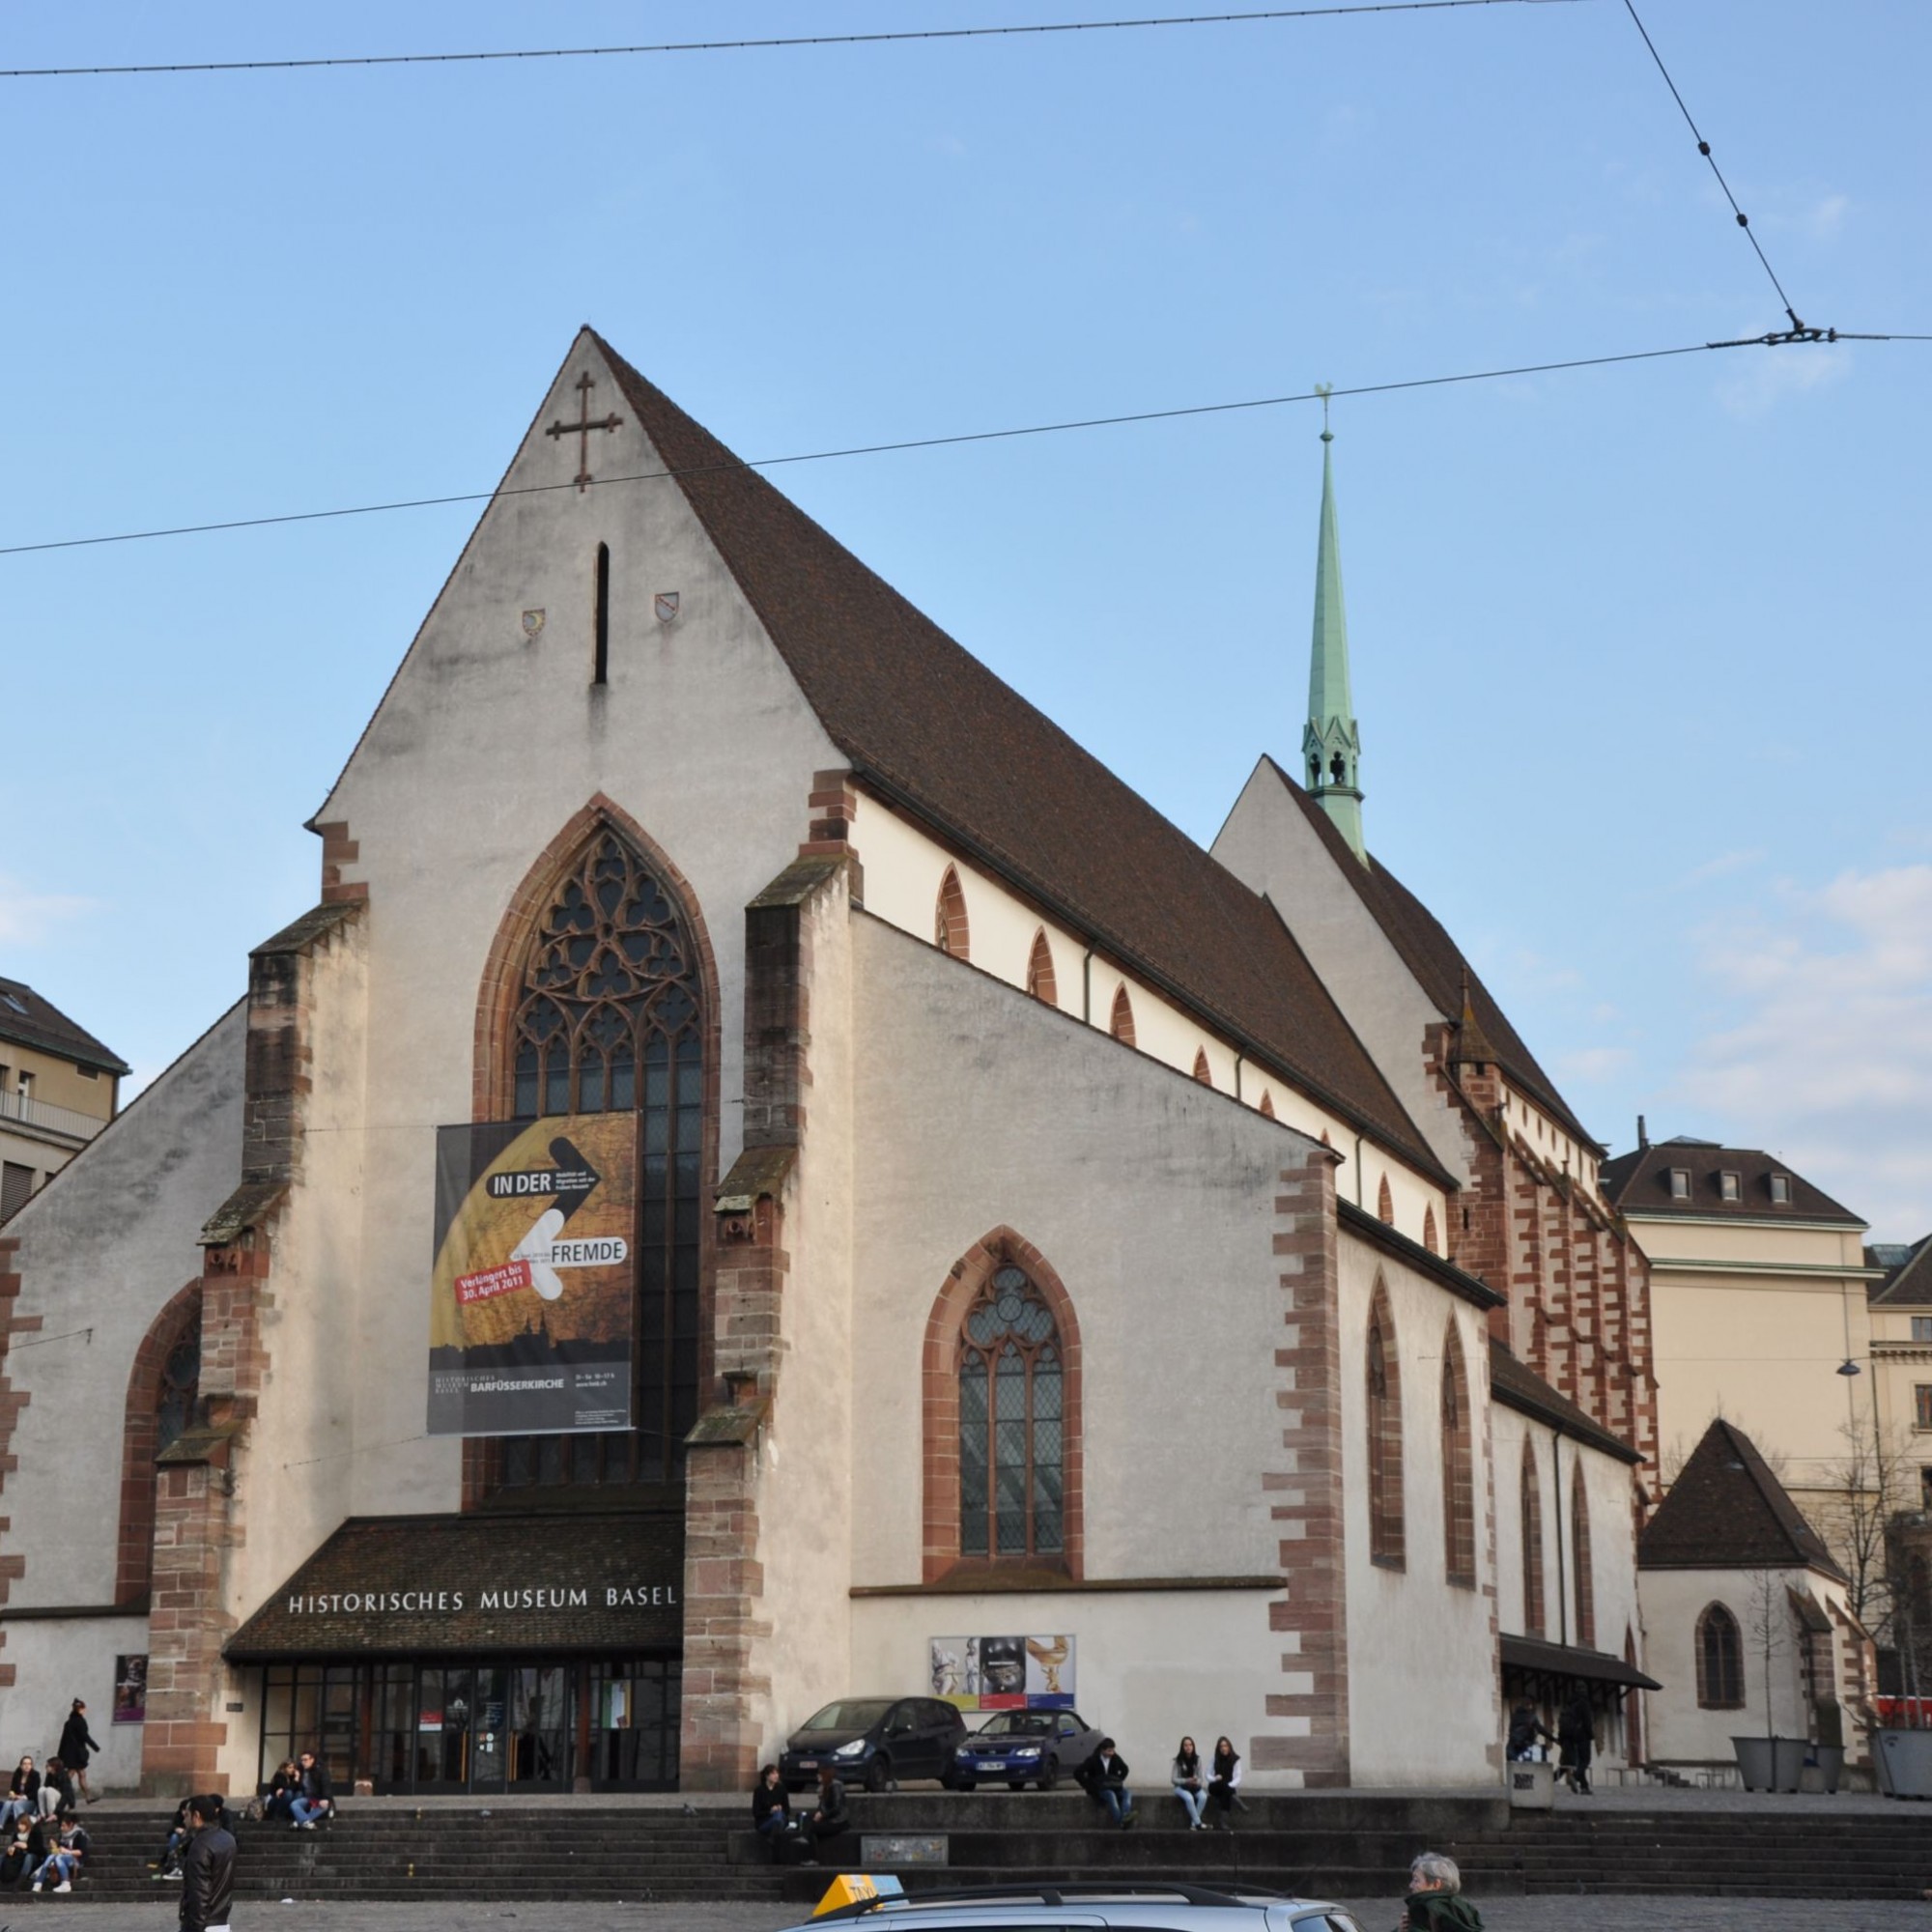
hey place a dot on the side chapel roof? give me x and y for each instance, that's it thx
(1727, 1511)
(1435, 961)
(927, 723)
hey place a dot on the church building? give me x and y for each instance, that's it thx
(769, 1174)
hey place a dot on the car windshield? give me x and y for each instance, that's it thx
(1017, 1723)
(849, 1713)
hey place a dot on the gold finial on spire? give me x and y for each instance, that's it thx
(1324, 390)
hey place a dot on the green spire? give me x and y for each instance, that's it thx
(1331, 745)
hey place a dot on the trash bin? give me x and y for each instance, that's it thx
(1532, 1787)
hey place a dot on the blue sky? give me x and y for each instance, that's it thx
(1639, 653)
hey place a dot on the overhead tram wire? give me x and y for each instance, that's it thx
(1799, 331)
(949, 442)
(1250, 16)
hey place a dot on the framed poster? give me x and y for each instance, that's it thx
(533, 1291)
(130, 1690)
(1003, 1673)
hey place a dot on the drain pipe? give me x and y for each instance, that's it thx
(1238, 1076)
(1087, 987)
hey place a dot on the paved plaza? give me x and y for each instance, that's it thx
(1567, 1914)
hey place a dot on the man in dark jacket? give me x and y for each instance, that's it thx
(318, 1794)
(75, 1745)
(208, 1869)
(1104, 1779)
(1576, 1735)
(1435, 1901)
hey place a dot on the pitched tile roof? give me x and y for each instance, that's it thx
(1521, 1388)
(403, 1585)
(1435, 960)
(29, 1019)
(929, 727)
(1727, 1511)
(1908, 1282)
(1638, 1182)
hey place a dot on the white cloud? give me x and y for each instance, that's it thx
(27, 917)
(1829, 1060)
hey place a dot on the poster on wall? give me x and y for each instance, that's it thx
(534, 1281)
(130, 1690)
(1003, 1673)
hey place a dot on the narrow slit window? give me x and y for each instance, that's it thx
(600, 665)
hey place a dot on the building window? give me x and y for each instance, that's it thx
(1121, 1022)
(1386, 1486)
(164, 1397)
(1011, 1424)
(1720, 1660)
(1921, 1406)
(949, 930)
(1267, 1103)
(1922, 1327)
(612, 1020)
(1459, 1476)
(1203, 1072)
(1780, 1190)
(1731, 1187)
(1385, 1202)
(1532, 1544)
(1680, 1183)
(1585, 1578)
(1430, 1238)
(1040, 981)
(16, 1182)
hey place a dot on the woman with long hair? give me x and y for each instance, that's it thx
(1225, 1782)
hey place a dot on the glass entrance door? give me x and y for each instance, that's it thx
(540, 1724)
(489, 1751)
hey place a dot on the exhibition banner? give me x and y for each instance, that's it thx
(532, 1297)
(1003, 1673)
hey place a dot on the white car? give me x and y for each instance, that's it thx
(1077, 1908)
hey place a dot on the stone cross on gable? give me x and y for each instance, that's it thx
(581, 427)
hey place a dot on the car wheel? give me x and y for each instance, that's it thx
(878, 1774)
(950, 1779)
(1049, 1774)
(1015, 1785)
(965, 1785)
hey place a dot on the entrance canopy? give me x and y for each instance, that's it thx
(417, 1585)
(1532, 1657)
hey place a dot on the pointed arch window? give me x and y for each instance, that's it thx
(1385, 1484)
(1385, 1202)
(1011, 1424)
(1585, 1572)
(1532, 1544)
(1267, 1103)
(1040, 981)
(1203, 1072)
(1720, 1660)
(951, 932)
(610, 1019)
(1121, 1022)
(1459, 1478)
(1431, 1240)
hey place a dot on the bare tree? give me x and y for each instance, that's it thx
(1867, 1489)
(1768, 1625)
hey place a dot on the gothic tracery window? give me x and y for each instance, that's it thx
(1720, 1660)
(1386, 1530)
(1459, 1482)
(1585, 1569)
(1532, 1544)
(180, 1386)
(610, 1019)
(1011, 1424)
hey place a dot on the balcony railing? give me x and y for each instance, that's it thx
(67, 1122)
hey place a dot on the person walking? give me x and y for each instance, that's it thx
(1435, 1902)
(1525, 1728)
(208, 1869)
(827, 1819)
(1575, 1738)
(318, 1794)
(1104, 1779)
(77, 1744)
(770, 1809)
(1224, 1783)
(1190, 1785)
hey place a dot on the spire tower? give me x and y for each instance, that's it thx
(1331, 745)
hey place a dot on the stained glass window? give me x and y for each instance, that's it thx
(1011, 1424)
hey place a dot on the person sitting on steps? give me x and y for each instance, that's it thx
(21, 1793)
(827, 1819)
(18, 1857)
(318, 1794)
(1190, 1785)
(65, 1845)
(1224, 1783)
(1104, 1779)
(770, 1809)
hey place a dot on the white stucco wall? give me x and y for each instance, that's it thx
(102, 1251)
(1422, 1670)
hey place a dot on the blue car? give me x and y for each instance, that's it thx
(1023, 1747)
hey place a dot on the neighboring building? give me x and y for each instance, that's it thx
(1900, 1313)
(59, 1087)
(1758, 1299)
(1743, 1602)
(1055, 1257)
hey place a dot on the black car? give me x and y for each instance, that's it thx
(876, 1740)
(1022, 1747)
